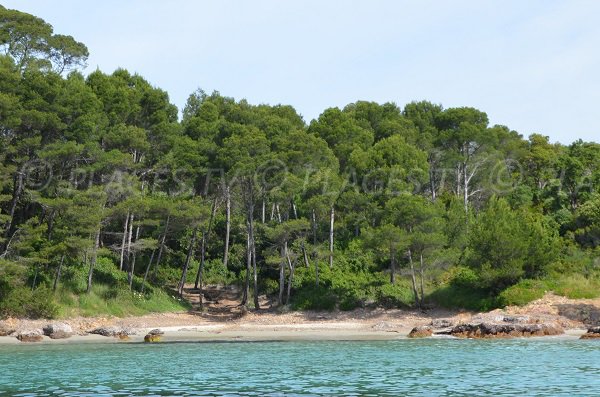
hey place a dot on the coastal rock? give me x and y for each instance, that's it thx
(592, 333)
(442, 323)
(493, 330)
(421, 332)
(117, 332)
(58, 331)
(30, 336)
(153, 336)
(5, 329)
(516, 319)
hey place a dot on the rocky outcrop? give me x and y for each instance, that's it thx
(492, 330)
(421, 332)
(30, 336)
(153, 336)
(5, 329)
(58, 331)
(116, 332)
(592, 333)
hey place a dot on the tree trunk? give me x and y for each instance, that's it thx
(304, 255)
(290, 281)
(188, 259)
(314, 251)
(93, 261)
(128, 253)
(58, 271)
(281, 277)
(203, 244)
(227, 225)
(413, 278)
(124, 241)
(422, 274)
(18, 188)
(148, 270)
(162, 244)
(465, 188)
(263, 211)
(432, 181)
(254, 270)
(393, 266)
(248, 266)
(331, 220)
(132, 270)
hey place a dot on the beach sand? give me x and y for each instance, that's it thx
(363, 324)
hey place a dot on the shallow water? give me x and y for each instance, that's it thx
(377, 368)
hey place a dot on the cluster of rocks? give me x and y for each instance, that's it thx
(507, 327)
(53, 331)
(153, 336)
(490, 330)
(6, 329)
(59, 330)
(112, 331)
(592, 333)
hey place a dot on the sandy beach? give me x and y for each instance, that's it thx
(374, 324)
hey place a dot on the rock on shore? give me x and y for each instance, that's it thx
(421, 332)
(5, 329)
(30, 336)
(153, 336)
(116, 332)
(592, 333)
(58, 331)
(510, 330)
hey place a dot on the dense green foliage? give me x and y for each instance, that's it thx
(107, 199)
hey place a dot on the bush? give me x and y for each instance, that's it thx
(22, 302)
(395, 295)
(462, 277)
(314, 298)
(453, 297)
(522, 293)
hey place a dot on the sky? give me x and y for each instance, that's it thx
(533, 65)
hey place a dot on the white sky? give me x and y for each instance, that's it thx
(531, 65)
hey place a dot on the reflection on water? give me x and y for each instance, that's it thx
(381, 368)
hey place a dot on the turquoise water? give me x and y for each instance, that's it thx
(380, 368)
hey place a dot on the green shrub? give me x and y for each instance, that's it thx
(454, 297)
(22, 302)
(462, 277)
(522, 293)
(314, 298)
(395, 295)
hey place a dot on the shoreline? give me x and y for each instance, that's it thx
(269, 334)
(361, 324)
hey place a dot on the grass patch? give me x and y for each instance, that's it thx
(104, 300)
(523, 292)
(575, 286)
